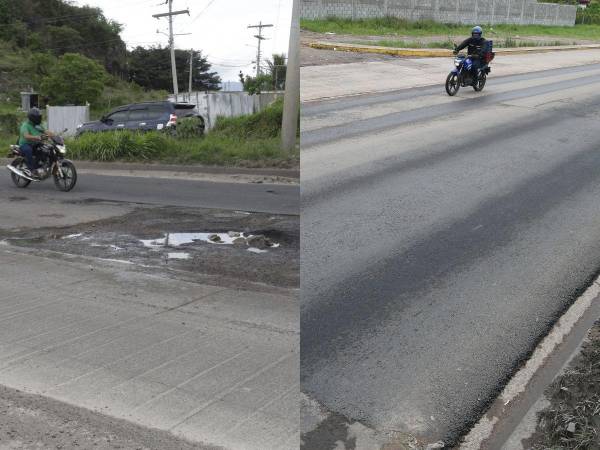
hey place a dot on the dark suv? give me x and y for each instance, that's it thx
(143, 116)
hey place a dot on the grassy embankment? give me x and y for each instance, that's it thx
(402, 33)
(249, 141)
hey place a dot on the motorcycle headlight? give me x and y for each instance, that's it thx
(62, 149)
(457, 63)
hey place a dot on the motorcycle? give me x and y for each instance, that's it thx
(49, 159)
(462, 75)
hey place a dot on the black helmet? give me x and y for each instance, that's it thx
(35, 116)
(477, 32)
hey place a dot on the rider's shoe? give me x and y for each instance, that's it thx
(30, 174)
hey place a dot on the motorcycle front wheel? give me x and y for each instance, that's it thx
(20, 182)
(480, 83)
(67, 181)
(452, 84)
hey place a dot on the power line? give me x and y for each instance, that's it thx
(202, 12)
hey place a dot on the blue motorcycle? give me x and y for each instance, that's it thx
(463, 76)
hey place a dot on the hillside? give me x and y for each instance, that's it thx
(36, 34)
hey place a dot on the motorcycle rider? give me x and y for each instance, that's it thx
(476, 44)
(31, 134)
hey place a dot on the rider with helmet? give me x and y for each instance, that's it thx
(476, 45)
(32, 133)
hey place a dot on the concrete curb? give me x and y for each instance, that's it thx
(509, 413)
(183, 169)
(439, 52)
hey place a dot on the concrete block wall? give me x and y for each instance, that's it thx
(447, 11)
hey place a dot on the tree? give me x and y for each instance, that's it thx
(151, 69)
(273, 80)
(62, 27)
(59, 40)
(278, 70)
(74, 79)
(256, 85)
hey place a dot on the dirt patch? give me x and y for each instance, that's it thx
(33, 422)
(572, 421)
(177, 239)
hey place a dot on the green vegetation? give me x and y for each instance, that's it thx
(391, 26)
(272, 80)
(38, 39)
(449, 44)
(249, 141)
(74, 79)
(151, 68)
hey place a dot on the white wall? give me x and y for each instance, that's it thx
(228, 104)
(61, 117)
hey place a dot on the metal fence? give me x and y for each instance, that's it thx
(67, 117)
(520, 12)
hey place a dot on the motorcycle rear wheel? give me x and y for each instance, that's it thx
(69, 178)
(480, 83)
(452, 84)
(20, 182)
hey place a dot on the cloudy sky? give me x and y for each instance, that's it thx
(218, 27)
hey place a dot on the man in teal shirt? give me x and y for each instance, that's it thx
(32, 133)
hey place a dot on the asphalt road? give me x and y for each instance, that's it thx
(441, 239)
(267, 198)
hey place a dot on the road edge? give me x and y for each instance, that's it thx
(501, 409)
(182, 169)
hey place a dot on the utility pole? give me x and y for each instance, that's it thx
(170, 15)
(191, 68)
(291, 102)
(260, 38)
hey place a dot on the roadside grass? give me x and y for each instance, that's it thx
(213, 149)
(572, 421)
(248, 141)
(392, 26)
(449, 44)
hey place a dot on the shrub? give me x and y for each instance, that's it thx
(9, 123)
(112, 146)
(264, 124)
(75, 79)
(190, 127)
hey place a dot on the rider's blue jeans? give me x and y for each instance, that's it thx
(27, 152)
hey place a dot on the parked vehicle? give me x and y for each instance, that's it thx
(49, 158)
(146, 116)
(462, 74)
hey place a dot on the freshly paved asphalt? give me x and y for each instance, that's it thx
(441, 239)
(268, 198)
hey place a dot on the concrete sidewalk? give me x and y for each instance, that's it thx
(212, 365)
(340, 80)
